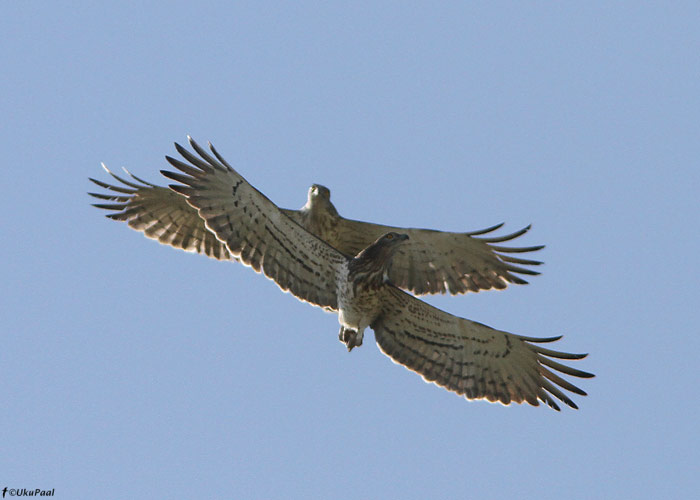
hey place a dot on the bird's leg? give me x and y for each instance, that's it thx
(351, 338)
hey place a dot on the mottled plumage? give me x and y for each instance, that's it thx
(430, 261)
(466, 357)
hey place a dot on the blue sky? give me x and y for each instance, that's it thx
(129, 369)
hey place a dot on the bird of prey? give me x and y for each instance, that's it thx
(463, 356)
(429, 262)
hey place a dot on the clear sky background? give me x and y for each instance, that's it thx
(131, 370)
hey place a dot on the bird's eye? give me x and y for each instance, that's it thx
(389, 236)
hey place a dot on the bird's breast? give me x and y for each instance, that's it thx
(359, 303)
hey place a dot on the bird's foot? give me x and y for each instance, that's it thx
(351, 338)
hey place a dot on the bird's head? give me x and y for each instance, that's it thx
(319, 200)
(391, 239)
(384, 247)
(319, 191)
(373, 263)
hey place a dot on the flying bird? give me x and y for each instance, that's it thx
(463, 356)
(429, 262)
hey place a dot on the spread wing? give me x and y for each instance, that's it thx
(430, 262)
(161, 214)
(255, 230)
(470, 358)
(438, 262)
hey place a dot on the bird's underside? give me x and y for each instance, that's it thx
(463, 356)
(430, 262)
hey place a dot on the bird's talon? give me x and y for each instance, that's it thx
(350, 338)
